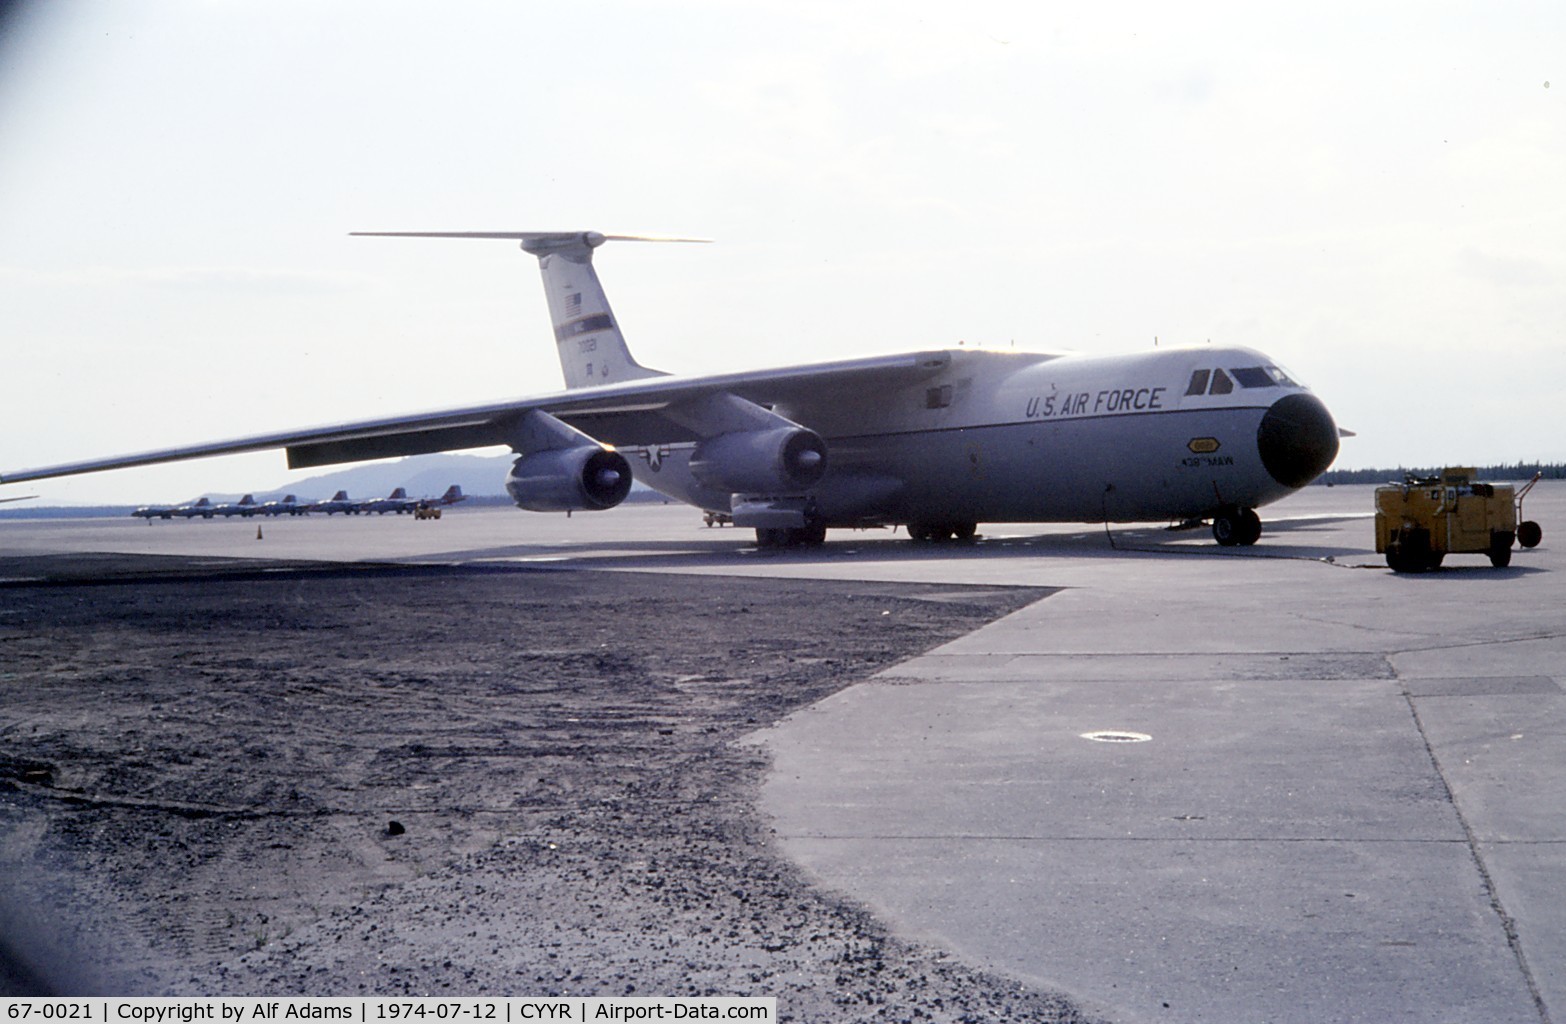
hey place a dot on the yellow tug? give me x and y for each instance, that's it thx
(1422, 520)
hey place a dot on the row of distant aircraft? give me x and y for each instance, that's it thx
(398, 502)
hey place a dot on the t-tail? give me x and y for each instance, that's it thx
(592, 349)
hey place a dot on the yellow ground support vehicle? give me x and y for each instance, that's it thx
(426, 512)
(1422, 520)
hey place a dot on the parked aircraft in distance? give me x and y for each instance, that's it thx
(245, 507)
(339, 502)
(202, 507)
(939, 441)
(288, 505)
(151, 512)
(398, 501)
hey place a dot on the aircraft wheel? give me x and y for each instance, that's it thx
(1250, 526)
(1236, 526)
(930, 532)
(812, 536)
(1529, 534)
(770, 537)
(1226, 528)
(965, 531)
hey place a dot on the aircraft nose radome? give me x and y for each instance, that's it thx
(1297, 439)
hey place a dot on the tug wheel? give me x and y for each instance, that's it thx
(1410, 552)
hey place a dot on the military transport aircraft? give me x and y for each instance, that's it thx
(939, 441)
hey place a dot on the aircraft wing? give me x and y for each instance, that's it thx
(625, 413)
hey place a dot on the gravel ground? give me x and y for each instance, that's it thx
(430, 781)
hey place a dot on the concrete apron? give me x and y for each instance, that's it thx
(1348, 804)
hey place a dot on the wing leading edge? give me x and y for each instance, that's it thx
(618, 412)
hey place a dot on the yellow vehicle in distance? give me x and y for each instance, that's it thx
(1422, 520)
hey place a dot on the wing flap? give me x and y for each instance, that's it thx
(394, 445)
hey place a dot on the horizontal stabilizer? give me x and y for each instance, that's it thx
(592, 238)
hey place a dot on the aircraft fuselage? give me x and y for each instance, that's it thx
(1010, 437)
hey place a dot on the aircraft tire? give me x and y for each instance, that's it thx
(965, 531)
(1226, 528)
(1250, 527)
(1529, 534)
(1236, 527)
(932, 533)
(812, 536)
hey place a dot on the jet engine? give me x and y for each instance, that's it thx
(781, 460)
(567, 479)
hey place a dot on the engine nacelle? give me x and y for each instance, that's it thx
(570, 479)
(783, 460)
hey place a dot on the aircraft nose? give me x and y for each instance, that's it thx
(1297, 439)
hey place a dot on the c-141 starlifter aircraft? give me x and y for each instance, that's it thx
(938, 441)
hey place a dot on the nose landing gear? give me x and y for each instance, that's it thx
(1236, 526)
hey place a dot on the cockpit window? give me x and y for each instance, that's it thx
(1219, 382)
(1253, 377)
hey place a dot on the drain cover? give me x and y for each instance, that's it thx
(1116, 736)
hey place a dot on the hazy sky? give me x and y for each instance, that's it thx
(1375, 195)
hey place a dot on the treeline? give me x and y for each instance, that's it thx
(1504, 472)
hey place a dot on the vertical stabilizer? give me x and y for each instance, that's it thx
(592, 349)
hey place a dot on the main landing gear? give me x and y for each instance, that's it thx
(790, 537)
(935, 532)
(1236, 526)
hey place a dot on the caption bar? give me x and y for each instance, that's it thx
(378, 1010)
